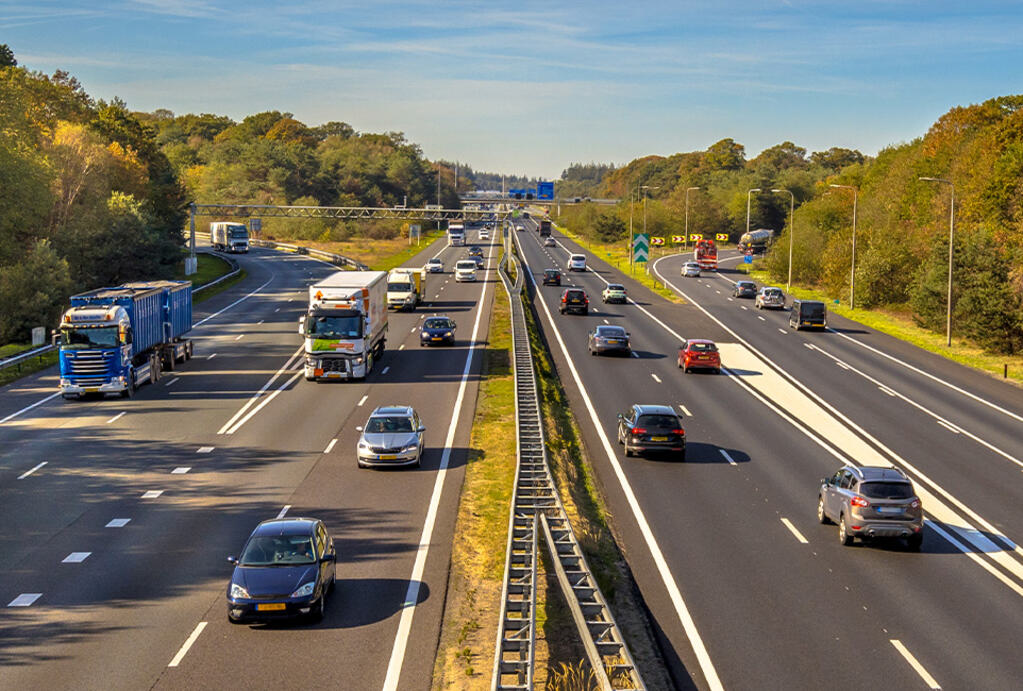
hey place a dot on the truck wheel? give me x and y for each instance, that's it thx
(129, 391)
(154, 369)
(188, 351)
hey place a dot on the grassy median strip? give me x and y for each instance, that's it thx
(210, 267)
(465, 654)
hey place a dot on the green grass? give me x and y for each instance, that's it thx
(25, 367)
(390, 261)
(210, 268)
(900, 325)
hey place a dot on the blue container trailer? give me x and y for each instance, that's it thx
(113, 339)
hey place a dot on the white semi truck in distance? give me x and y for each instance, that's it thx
(229, 237)
(345, 327)
(405, 288)
(456, 234)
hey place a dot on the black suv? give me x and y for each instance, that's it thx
(652, 428)
(744, 289)
(551, 277)
(574, 300)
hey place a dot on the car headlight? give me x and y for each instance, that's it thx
(305, 590)
(239, 592)
(448, 333)
(363, 444)
(410, 448)
(358, 360)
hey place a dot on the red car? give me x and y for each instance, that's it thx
(698, 353)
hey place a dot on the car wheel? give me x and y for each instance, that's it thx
(821, 516)
(843, 536)
(232, 620)
(915, 541)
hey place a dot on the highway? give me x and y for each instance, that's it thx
(119, 514)
(746, 589)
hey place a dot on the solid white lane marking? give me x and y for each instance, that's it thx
(385, 370)
(283, 511)
(238, 337)
(656, 378)
(415, 582)
(205, 449)
(685, 411)
(663, 570)
(227, 428)
(266, 401)
(842, 364)
(794, 531)
(172, 381)
(211, 356)
(24, 600)
(152, 493)
(29, 407)
(884, 389)
(330, 446)
(32, 470)
(781, 330)
(363, 400)
(731, 461)
(75, 558)
(811, 346)
(181, 470)
(239, 300)
(950, 428)
(915, 664)
(118, 523)
(117, 417)
(187, 644)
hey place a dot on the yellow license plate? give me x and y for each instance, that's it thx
(437, 338)
(333, 374)
(388, 457)
(658, 439)
(271, 607)
(92, 389)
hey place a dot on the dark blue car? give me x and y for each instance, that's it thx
(437, 331)
(285, 571)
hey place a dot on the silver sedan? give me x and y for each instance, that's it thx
(393, 436)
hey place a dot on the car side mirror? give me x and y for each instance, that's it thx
(422, 428)
(359, 428)
(627, 333)
(825, 480)
(232, 560)
(620, 416)
(327, 558)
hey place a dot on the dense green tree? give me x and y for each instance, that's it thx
(27, 302)
(610, 228)
(7, 56)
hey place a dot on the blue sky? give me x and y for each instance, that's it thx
(530, 87)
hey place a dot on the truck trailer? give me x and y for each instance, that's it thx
(405, 288)
(345, 328)
(229, 237)
(113, 339)
(544, 227)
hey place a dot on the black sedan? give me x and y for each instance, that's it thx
(475, 251)
(286, 570)
(609, 339)
(478, 259)
(551, 277)
(744, 289)
(437, 331)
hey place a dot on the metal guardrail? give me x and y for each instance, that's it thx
(536, 504)
(330, 257)
(16, 360)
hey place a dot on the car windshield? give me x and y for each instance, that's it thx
(438, 324)
(658, 422)
(98, 337)
(335, 327)
(386, 425)
(814, 310)
(399, 287)
(703, 347)
(466, 264)
(747, 284)
(611, 331)
(887, 490)
(575, 295)
(772, 293)
(578, 258)
(238, 233)
(278, 550)
(434, 262)
(616, 287)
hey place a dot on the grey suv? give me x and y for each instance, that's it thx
(871, 502)
(393, 435)
(652, 428)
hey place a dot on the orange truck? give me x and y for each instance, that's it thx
(706, 254)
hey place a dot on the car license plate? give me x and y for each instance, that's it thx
(612, 341)
(658, 439)
(437, 338)
(333, 374)
(92, 389)
(387, 457)
(889, 509)
(271, 607)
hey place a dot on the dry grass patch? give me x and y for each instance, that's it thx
(379, 255)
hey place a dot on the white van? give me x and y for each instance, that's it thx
(577, 262)
(465, 270)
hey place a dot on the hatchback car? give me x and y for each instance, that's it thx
(484, 234)
(574, 300)
(615, 292)
(393, 436)
(770, 298)
(475, 251)
(577, 262)
(811, 314)
(477, 259)
(698, 353)
(744, 289)
(691, 270)
(869, 502)
(285, 571)
(549, 242)
(551, 277)
(435, 266)
(652, 428)
(520, 227)
(437, 331)
(609, 339)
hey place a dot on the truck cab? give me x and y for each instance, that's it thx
(405, 288)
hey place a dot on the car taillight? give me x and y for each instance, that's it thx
(859, 501)
(586, 300)
(638, 430)
(681, 432)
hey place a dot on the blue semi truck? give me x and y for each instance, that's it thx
(113, 339)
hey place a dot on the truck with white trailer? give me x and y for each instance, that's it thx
(229, 237)
(113, 339)
(456, 234)
(405, 288)
(345, 327)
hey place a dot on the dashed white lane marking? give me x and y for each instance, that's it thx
(685, 411)
(401, 347)
(117, 417)
(175, 379)
(187, 644)
(950, 428)
(181, 470)
(744, 307)
(915, 664)
(239, 337)
(761, 318)
(32, 470)
(385, 370)
(152, 493)
(363, 399)
(656, 378)
(718, 292)
(259, 322)
(781, 330)
(330, 446)
(730, 300)
(731, 461)
(413, 330)
(75, 558)
(606, 321)
(886, 390)
(811, 346)
(634, 354)
(24, 600)
(283, 511)
(277, 310)
(211, 356)
(205, 449)
(795, 531)
(28, 408)
(118, 523)
(291, 299)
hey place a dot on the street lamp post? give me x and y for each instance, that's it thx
(852, 271)
(632, 236)
(951, 241)
(792, 232)
(685, 239)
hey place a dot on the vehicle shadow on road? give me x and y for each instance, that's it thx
(358, 602)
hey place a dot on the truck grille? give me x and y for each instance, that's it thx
(90, 368)
(334, 365)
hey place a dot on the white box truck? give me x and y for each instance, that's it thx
(456, 234)
(345, 327)
(229, 237)
(405, 288)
